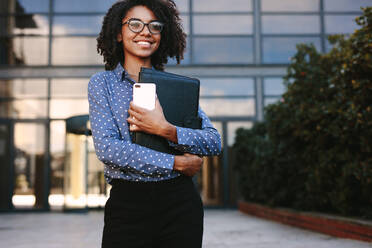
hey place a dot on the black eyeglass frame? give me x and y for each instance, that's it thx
(144, 24)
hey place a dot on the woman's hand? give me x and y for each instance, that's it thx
(151, 121)
(188, 164)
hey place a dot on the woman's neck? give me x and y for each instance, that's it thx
(133, 65)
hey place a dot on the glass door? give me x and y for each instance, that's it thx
(29, 166)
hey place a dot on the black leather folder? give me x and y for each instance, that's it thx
(179, 97)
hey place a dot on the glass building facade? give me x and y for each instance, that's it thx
(239, 50)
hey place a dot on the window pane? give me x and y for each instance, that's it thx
(75, 51)
(223, 24)
(67, 108)
(23, 88)
(182, 5)
(24, 6)
(222, 5)
(24, 51)
(228, 107)
(290, 5)
(82, 5)
(77, 24)
(345, 5)
(24, 25)
(233, 126)
(226, 86)
(340, 24)
(69, 87)
(279, 24)
(185, 23)
(223, 50)
(184, 61)
(23, 109)
(274, 86)
(280, 50)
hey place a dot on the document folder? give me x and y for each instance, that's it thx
(179, 97)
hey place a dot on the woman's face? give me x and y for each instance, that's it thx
(142, 44)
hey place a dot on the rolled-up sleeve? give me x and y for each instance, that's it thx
(205, 141)
(111, 147)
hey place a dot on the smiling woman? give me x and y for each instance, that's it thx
(153, 201)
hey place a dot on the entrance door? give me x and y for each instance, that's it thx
(6, 159)
(30, 167)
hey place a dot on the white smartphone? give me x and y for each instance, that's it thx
(144, 95)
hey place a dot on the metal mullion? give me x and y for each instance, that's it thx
(313, 35)
(50, 32)
(75, 35)
(78, 13)
(18, 14)
(257, 40)
(191, 32)
(223, 36)
(341, 13)
(223, 13)
(228, 97)
(288, 13)
(322, 26)
(232, 118)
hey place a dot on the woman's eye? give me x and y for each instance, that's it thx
(135, 24)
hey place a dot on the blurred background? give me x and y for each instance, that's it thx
(239, 49)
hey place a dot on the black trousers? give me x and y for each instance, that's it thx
(166, 214)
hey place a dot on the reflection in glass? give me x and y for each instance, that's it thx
(57, 152)
(67, 108)
(222, 5)
(228, 107)
(226, 86)
(291, 24)
(83, 5)
(233, 126)
(77, 24)
(345, 5)
(274, 86)
(76, 87)
(23, 88)
(19, 109)
(24, 25)
(29, 141)
(75, 51)
(24, 6)
(231, 50)
(24, 51)
(290, 5)
(223, 24)
(340, 24)
(280, 50)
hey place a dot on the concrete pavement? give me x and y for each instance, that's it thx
(223, 228)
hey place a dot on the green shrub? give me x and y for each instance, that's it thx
(314, 149)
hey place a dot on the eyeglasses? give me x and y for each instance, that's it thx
(136, 26)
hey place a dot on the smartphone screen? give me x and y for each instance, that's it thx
(144, 95)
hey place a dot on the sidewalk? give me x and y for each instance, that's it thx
(223, 228)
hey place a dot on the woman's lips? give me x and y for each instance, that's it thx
(145, 44)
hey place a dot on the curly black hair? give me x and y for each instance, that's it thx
(173, 39)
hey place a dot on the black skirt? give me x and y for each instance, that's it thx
(161, 214)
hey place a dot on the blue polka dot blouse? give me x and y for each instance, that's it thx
(109, 95)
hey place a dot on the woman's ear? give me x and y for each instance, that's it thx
(119, 38)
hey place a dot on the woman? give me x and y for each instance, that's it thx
(153, 202)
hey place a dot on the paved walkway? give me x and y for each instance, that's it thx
(223, 228)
